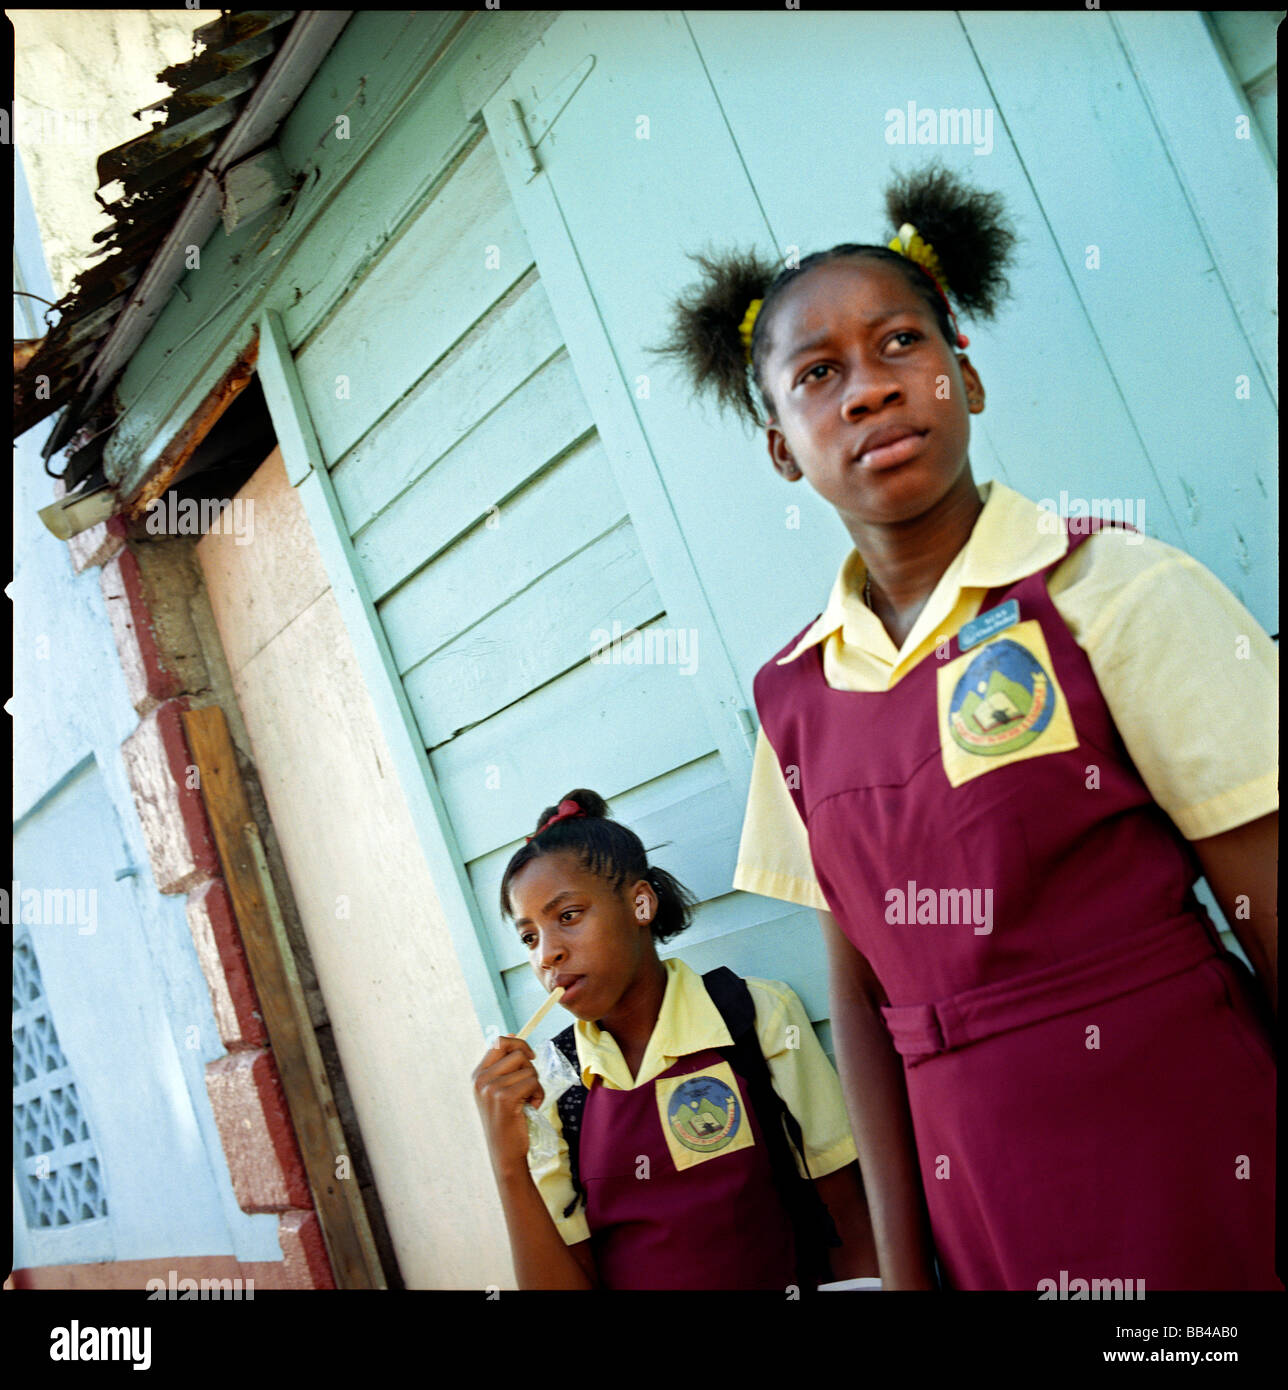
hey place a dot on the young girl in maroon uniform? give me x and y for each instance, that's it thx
(682, 1179)
(1051, 1063)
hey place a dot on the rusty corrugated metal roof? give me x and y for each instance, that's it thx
(157, 171)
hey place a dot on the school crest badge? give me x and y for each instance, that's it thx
(1000, 703)
(703, 1115)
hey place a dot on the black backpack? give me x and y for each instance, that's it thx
(811, 1221)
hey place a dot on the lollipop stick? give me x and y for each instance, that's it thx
(548, 1003)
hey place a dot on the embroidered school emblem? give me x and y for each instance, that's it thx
(703, 1115)
(1001, 702)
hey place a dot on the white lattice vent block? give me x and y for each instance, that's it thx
(58, 1167)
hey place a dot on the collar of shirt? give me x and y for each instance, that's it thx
(1012, 537)
(687, 1022)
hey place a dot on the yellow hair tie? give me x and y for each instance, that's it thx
(748, 323)
(908, 242)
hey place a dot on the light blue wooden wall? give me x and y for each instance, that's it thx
(1247, 39)
(507, 469)
(1096, 379)
(492, 537)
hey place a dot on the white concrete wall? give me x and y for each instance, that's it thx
(79, 75)
(403, 1020)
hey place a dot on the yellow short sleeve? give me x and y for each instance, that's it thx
(773, 855)
(1189, 676)
(553, 1177)
(805, 1080)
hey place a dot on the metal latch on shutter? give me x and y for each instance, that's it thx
(545, 111)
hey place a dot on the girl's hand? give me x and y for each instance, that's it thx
(504, 1082)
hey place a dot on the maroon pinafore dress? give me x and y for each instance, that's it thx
(717, 1223)
(1089, 1073)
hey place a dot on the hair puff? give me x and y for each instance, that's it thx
(967, 228)
(705, 323)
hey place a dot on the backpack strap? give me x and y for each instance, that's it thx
(570, 1106)
(811, 1221)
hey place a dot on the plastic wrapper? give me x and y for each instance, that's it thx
(556, 1074)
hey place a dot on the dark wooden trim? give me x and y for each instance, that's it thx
(308, 1094)
(172, 459)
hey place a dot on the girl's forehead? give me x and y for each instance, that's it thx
(843, 288)
(549, 873)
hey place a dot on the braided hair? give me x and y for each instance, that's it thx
(607, 848)
(970, 234)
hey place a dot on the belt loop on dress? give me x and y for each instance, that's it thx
(915, 1029)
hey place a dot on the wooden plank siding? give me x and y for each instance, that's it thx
(482, 377)
(1201, 105)
(1099, 122)
(535, 637)
(566, 507)
(1247, 38)
(494, 543)
(408, 310)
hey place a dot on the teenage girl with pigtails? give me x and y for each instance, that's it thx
(705, 1144)
(1053, 1069)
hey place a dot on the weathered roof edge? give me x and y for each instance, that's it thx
(293, 65)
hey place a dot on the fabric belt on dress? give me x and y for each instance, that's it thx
(921, 1031)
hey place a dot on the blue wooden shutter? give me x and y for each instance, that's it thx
(504, 562)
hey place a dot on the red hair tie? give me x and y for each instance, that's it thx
(962, 340)
(567, 809)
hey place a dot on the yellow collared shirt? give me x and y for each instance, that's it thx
(1189, 676)
(689, 1022)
